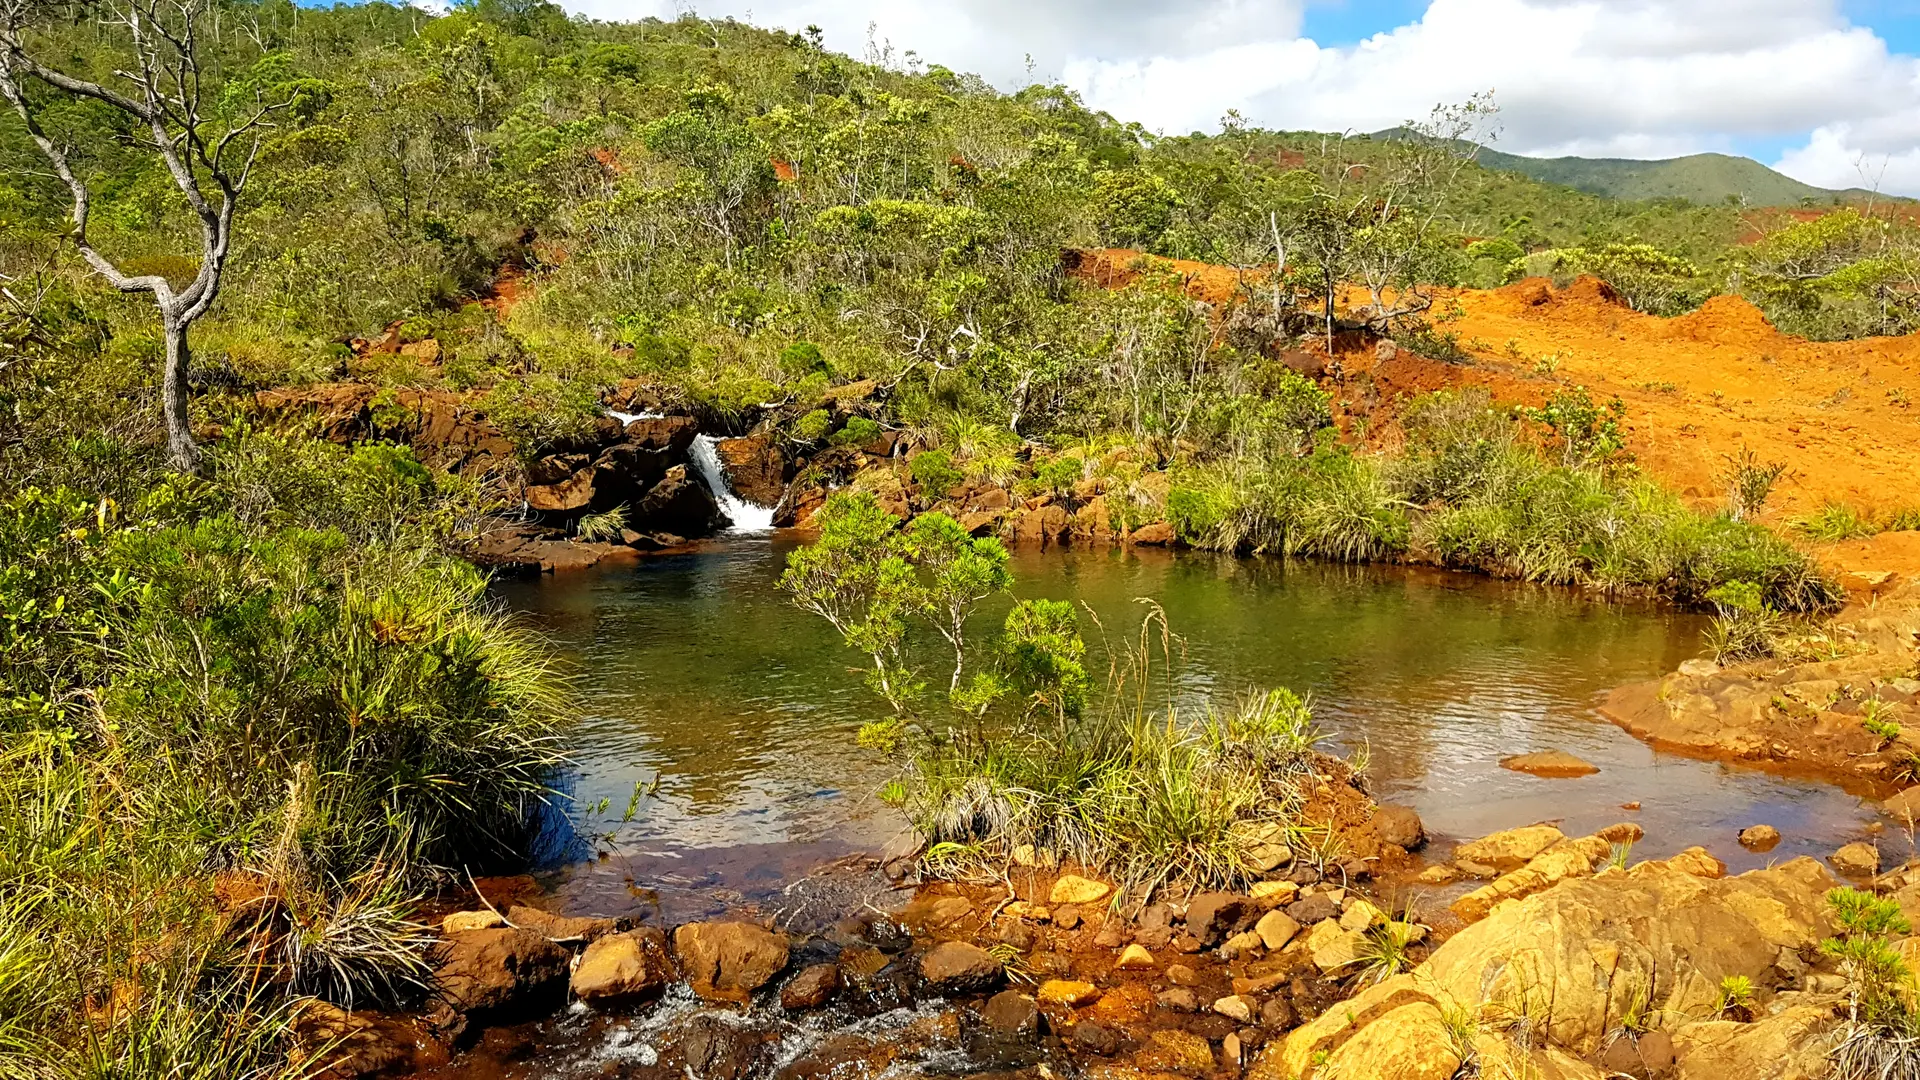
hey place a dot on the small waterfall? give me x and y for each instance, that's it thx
(629, 417)
(746, 517)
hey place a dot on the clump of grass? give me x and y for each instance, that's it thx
(1882, 1035)
(604, 526)
(1736, 994)
(1873, 717)
(1744, 626)
(1838, 521)
(1749, 482)
(1384, 952)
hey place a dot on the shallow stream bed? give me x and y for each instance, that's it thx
(735, 713)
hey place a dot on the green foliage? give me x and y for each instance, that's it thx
(1584, 434)
(857, 431)
(1878, 980)
(934, 471)
(540, 412)
(1744, 626)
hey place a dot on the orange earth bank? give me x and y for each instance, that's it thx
(1698, 388)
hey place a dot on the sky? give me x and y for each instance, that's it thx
(1826, 91)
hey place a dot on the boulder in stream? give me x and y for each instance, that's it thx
(728, 961)
(1549, 764)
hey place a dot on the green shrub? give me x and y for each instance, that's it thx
(857, 431)
(933, 470)
(542, 412)
(803, 358)
(813, 426)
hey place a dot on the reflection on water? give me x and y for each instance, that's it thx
(700, 675)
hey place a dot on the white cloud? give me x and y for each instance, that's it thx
(1629, 78)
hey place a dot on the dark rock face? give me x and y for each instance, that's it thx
(756, 469)
(679, 504)
(714, 1048)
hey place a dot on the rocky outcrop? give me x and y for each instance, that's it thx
(1812, 716)
(1571, 962)
(501, 970)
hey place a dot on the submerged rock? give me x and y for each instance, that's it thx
(1759, 837)
(1011, 1013)
(1551, 764)
(812, 988)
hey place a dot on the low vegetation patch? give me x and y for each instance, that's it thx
(1019, 755)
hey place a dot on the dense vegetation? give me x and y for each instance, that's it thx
(270, 668)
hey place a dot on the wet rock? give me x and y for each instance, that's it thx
(1157, 534)
(362, 1043)
(1111, 936)
(1175, 1052)
(1182, 975)
(1235, 1007)
(728, 961)
(1215, 916)
(715, 1047)
(1012, 1014)
(933, 912)
(1096, 1038)
(1069, 993)
(1074, 889)
(1438, 874)
(1135, 958)
(1309, 910)
(1399, 826)
(622, 967)
(462, 921)
(1904, 807)
(1276, 1014)
(1759, 837)
(1573, 858)
(1501, 852)
(1857, 859)
(1550, 764)
(1066, 917)
(1178, 999)
(955, 967)
(812, 988)
(678, 504)
(559, 927)
(500, 970)
(1042, 526)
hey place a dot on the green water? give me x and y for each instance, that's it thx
(701, 676)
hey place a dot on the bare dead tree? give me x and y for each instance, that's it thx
(201, 152)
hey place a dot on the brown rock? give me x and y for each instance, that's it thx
(1904, 807)
(1309, 910)
(1012, 1013)
(462, 921)
(1134, 958)
(1759, 837)
(1276, 1014)
(1096, 1038)
(755, 468)
(1069, 993)
(813, 987)
(501, 969)
(1697, 862)
(1074, 889)
(1180, 1052)
(728, 961)
(1553, 764)
(1157, 534)
(955, 967)
(1066, 917)
(1214, 916)
(1276, 928)
(622, 967)
(1399, 826)
(1182, 975)
(1857, 859)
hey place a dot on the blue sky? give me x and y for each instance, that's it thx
(1821, 89)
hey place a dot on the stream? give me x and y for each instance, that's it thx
(733, 713)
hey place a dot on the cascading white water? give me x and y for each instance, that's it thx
(630, 417)
(746, 517)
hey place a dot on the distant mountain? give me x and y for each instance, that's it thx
(1700, 178)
